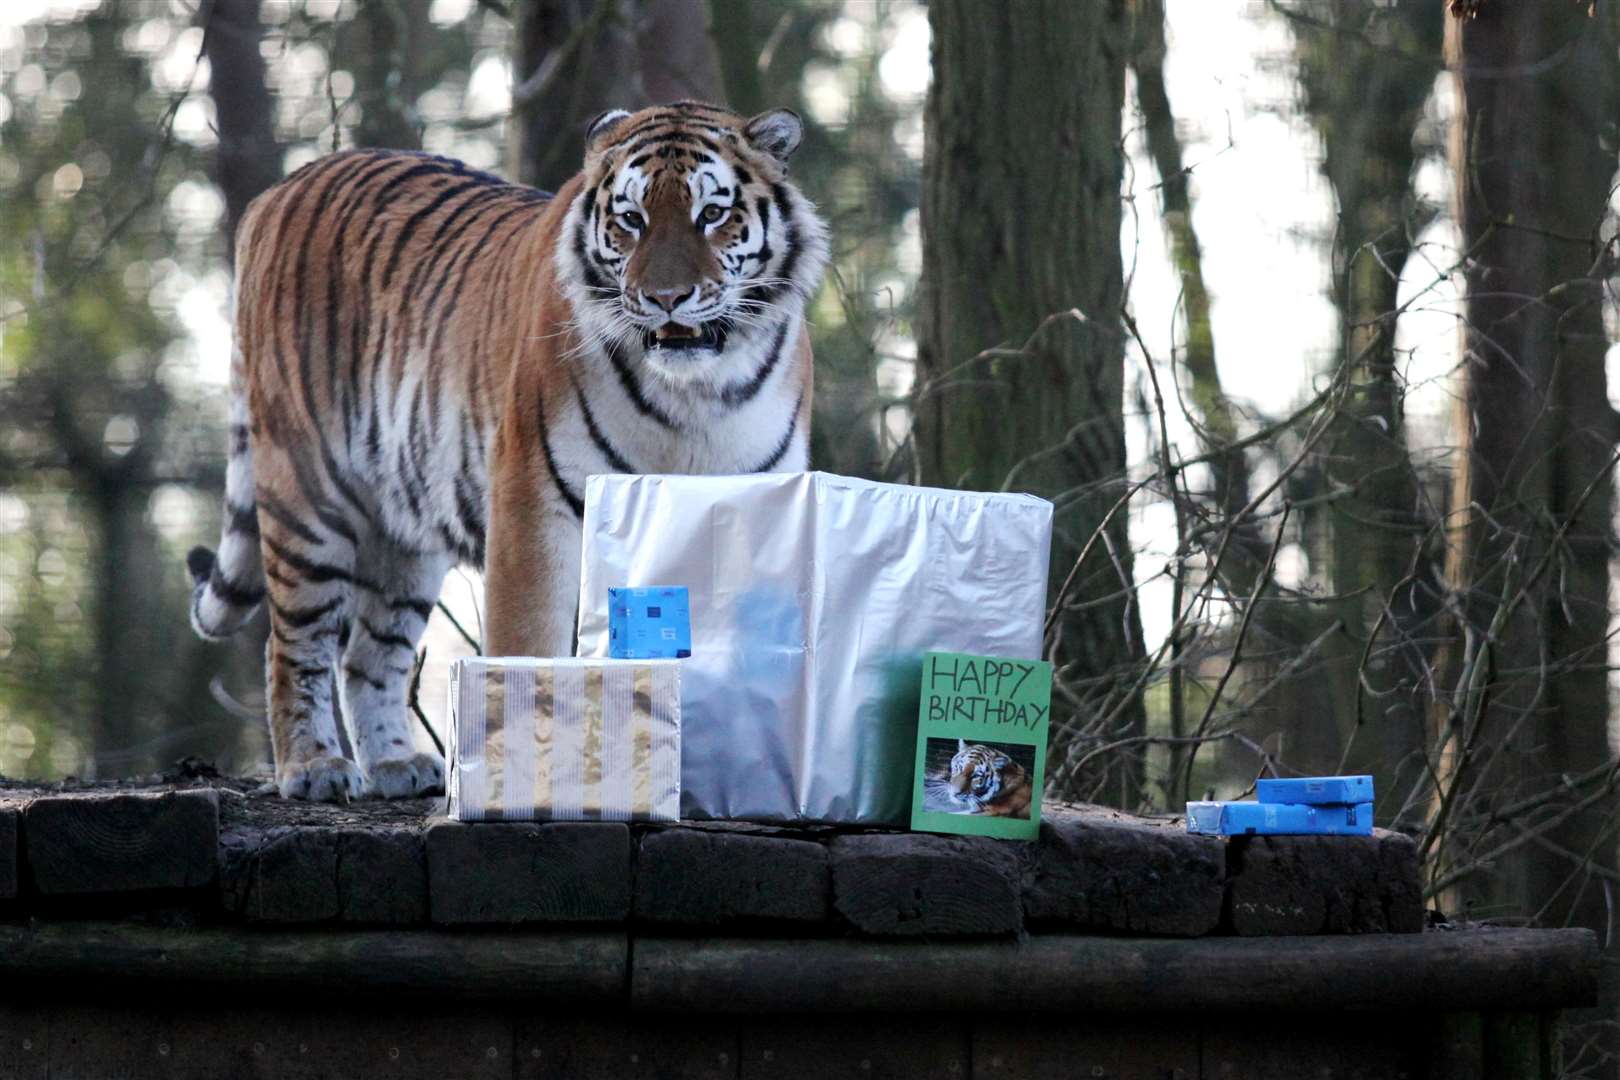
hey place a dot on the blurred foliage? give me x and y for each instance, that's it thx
(104, 435)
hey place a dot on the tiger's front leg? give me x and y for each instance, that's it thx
(376, 675)
(531, 583)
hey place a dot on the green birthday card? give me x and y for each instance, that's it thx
(981, 745)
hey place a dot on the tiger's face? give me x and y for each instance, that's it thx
(981, 777)
(687, 233)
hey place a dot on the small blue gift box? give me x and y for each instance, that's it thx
(1278, 819)
(649, 624)
(1316, 790)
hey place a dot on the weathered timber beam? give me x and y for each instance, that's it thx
(578, 968)
(1489, 970)
(1460, 970)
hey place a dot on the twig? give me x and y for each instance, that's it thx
(416, 704)
(468, 638)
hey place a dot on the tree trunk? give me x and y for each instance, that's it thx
(575, 59)
(249, 159)
(676, 56)
(127, 577)
(1218, 427)
(249, 162)
(737, 48)
(1536, 85)
(388, 77)
(1366, 70)
(1021, 256)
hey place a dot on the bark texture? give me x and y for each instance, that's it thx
(1366, 70)
(737, 48)
(390, 72)
(1533, 503)
(249, 158)
(1019, 339)
(575, 59)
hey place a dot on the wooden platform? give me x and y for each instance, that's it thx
(200, 930)
(115, 999)
(1466, 970)
(224, 854)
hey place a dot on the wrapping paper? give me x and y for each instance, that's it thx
(1279, 819)
(564, 740)
(1316, 790)
(649, 623)
(813, 598)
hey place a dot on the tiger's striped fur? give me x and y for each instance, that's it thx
(988, 781)
(429, 361)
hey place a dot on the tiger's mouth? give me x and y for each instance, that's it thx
(678, 337)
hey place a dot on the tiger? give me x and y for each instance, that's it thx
(429, 361)
(984, 780)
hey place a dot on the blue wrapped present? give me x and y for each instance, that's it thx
(649, 624)
(1278, 819)
(1315, 790)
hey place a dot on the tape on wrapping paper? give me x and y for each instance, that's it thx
(569, 741)
(494, 726)
(641, 765)
(544, 742)
(590, 780)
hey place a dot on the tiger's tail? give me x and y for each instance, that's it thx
(228, 588)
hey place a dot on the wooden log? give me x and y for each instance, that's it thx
(106, 1039)
(295, 1042)
(1457, 1046)
(616, 1046)
(83, 958)
(1324, 885)
(25, 1039)
(567, 871)
(382, 877)
(107, 843)
(293, 877)
(1116, 1047)
(921, 1048)
(1514, 1049)
(1388, 1048)
(700, 877)
(911, 884)
(10, 834)
(310, 874)
(1105, 870)
(1475, 969)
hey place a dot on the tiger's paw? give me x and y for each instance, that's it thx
(403, 778)
(325, 779)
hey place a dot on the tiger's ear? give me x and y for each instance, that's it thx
(777, 133)
(599, 127)
(1000, 762)
(961, 746)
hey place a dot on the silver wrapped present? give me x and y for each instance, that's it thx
(564, 740)
(813, 598)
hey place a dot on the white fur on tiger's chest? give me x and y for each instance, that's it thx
(646, 422)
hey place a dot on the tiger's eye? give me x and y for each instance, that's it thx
(632, 220)
(711, 214)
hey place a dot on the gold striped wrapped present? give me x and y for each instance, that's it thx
(565, 740)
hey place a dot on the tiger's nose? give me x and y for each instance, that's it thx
(669, 299)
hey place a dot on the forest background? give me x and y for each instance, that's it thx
(1303, 312)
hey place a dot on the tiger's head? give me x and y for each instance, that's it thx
(980, 776)
(686, 235)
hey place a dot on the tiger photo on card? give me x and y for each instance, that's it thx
(993, 779)
(981, 745)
